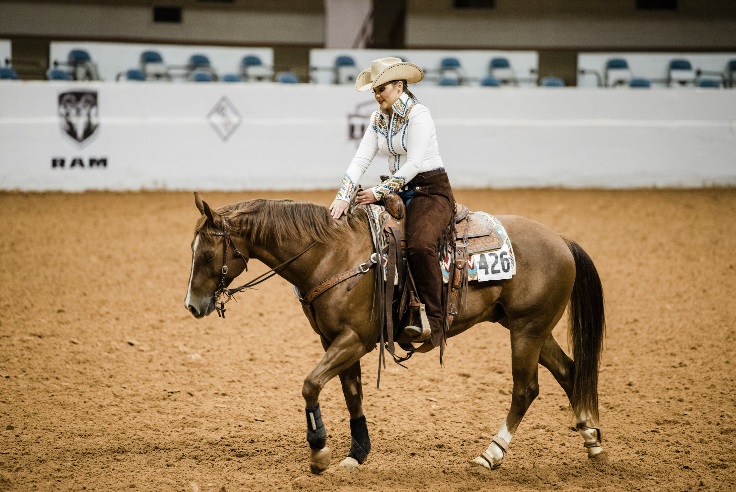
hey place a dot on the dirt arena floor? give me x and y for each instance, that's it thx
(108, 383)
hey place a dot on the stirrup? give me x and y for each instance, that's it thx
(419, 333)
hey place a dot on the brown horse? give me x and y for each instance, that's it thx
(304, 245)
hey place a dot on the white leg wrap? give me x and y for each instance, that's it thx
(592, 438)
(493, 456)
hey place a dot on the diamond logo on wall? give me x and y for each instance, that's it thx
(224, 118)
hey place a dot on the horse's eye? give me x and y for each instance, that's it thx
(208, 257)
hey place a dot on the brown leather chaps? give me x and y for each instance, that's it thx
(428, 215)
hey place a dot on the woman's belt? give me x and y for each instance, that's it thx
(422, 177)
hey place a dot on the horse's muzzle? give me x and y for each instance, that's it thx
(202, 310)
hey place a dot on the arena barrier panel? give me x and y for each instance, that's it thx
(130, 136)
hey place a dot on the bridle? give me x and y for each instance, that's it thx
(223, 294)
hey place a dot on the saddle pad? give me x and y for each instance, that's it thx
(496, 263)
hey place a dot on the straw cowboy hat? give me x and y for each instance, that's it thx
(385, 70)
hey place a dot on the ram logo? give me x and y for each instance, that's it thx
(79, 114)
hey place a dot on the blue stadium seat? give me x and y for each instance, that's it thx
(135, 74)
(200, 76)
(344, 61)
(199, 61)
(709, 83)
(345, 70)
(287, 78)
(200, 64)
(8, 73)
(500, 69)
(152, 65)
(252, 69)
(449, 82)
(449, 62)
(450, 68)
(489, 81)
(58, 74)
(552, 82)
(78, 56)
(680, 73)
(500, 62)
(639, 83)
(617, 72)
(82, 66)
(151, 56)
(231, 77)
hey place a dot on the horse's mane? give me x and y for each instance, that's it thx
(275, 221)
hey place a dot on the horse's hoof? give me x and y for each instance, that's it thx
(320, 460)
(350, 464)
(598, 455)
(486, 461)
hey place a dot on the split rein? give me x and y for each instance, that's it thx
(223, 294)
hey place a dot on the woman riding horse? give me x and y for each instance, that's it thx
(403, 130)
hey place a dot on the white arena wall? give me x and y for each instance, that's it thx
(238, 136)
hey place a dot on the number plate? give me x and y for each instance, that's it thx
(493, 265)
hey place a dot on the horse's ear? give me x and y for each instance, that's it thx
(205, 209)
(199, 202)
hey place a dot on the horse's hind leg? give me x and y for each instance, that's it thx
(360, 444)
(342, 353)
(562, 368)
(524, 363)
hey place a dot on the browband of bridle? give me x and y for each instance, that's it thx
(223, 294)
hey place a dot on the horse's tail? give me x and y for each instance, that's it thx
(587, 326)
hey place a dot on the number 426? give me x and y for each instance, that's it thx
(496, 260)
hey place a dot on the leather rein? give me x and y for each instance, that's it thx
(223, 294)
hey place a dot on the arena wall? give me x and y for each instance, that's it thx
(131, 136)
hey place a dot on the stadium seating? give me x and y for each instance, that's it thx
(500, 69)
(81, 65)
(230, 77)
(617, 72)
(639, 83)
(8, 73)
(709, 83)
(450, 68)
(552, 82)
(287, 78)
(489, 81)
(200, 75)
(153, 67)
(680, 73)
(58, 74)
(345, 70)
(252, 69)
(449, 82)
(133, 74)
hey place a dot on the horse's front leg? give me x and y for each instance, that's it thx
(342, 353)
(360, 444)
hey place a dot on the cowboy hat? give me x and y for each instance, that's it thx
(386, 70)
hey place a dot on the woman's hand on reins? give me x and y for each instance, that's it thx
(366, 197)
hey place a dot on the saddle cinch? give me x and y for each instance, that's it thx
(470, 233)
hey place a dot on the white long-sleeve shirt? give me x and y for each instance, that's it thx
(407, 137)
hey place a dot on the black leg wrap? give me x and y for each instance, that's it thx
(361, 443)
(316, 435)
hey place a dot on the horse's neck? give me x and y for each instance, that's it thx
(318, 262)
